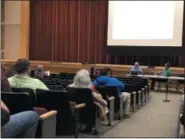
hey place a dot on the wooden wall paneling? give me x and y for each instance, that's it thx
(24, 27)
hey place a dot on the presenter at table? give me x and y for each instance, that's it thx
(165, 72)
(136, 68)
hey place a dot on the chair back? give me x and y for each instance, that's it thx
(84, 95)
(110, 91)
(56, 87)
(57, 100)
(17, 102)
(30, 92)
(80, 95)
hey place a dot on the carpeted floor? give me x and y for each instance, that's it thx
(156, 119)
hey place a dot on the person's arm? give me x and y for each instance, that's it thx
(95, 82)
(3, 106)
(169, 72)
(140, 70)
(120, 85)
(97, 97)
(132, 69)
(41, 85)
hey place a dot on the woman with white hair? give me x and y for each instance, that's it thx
(82, 80)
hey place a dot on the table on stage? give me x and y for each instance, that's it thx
(168, 79)
(162, 77)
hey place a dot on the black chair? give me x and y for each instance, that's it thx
(32, 73)
(56, 87)
(111, 91)
(57, 100)
(49, 82)
(17, 102)
(88, 115)
(131, 88)
(142, 86)
(30, 92)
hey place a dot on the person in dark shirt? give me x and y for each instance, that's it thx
(22, 125)
(5, 86)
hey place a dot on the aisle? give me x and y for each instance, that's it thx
(156, 119)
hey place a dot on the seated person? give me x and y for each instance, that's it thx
(165, 72)
(105, 80)
(20, 125)
(22, 78)
(5, 86)
(82, 80)
(136, 68)
(39, 72)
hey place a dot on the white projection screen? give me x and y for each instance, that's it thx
(145, 23)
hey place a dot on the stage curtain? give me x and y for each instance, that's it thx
(76, 31)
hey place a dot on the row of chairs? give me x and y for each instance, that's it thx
(75, 106)
(71, 108)
(67, 111)
(136, 86)
(19, 102)
(139, 90)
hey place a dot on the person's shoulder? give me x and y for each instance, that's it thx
(104, 77)
(34, 79)
(11, 78)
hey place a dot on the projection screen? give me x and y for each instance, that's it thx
(145, 23)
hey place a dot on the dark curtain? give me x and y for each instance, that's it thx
(76, 31)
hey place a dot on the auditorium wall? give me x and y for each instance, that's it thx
(11, 27)
(13, 35)
(76, 31)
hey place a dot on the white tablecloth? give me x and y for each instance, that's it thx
(161, 77)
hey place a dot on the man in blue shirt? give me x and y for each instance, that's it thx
(106, 80)
(136, 68)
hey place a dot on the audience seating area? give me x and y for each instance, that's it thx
(68, 108)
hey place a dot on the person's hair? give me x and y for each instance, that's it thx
(22, 65)
(82, 79)
(136, 63)
(104, 72)
(167, 64)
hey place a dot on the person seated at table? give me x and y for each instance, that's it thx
(20, 125)
(5, 85)
(105, 80)
(136, 68)
(165, 72)
(82, 80)
(22, 78)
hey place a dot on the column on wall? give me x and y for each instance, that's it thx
(15, 26)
